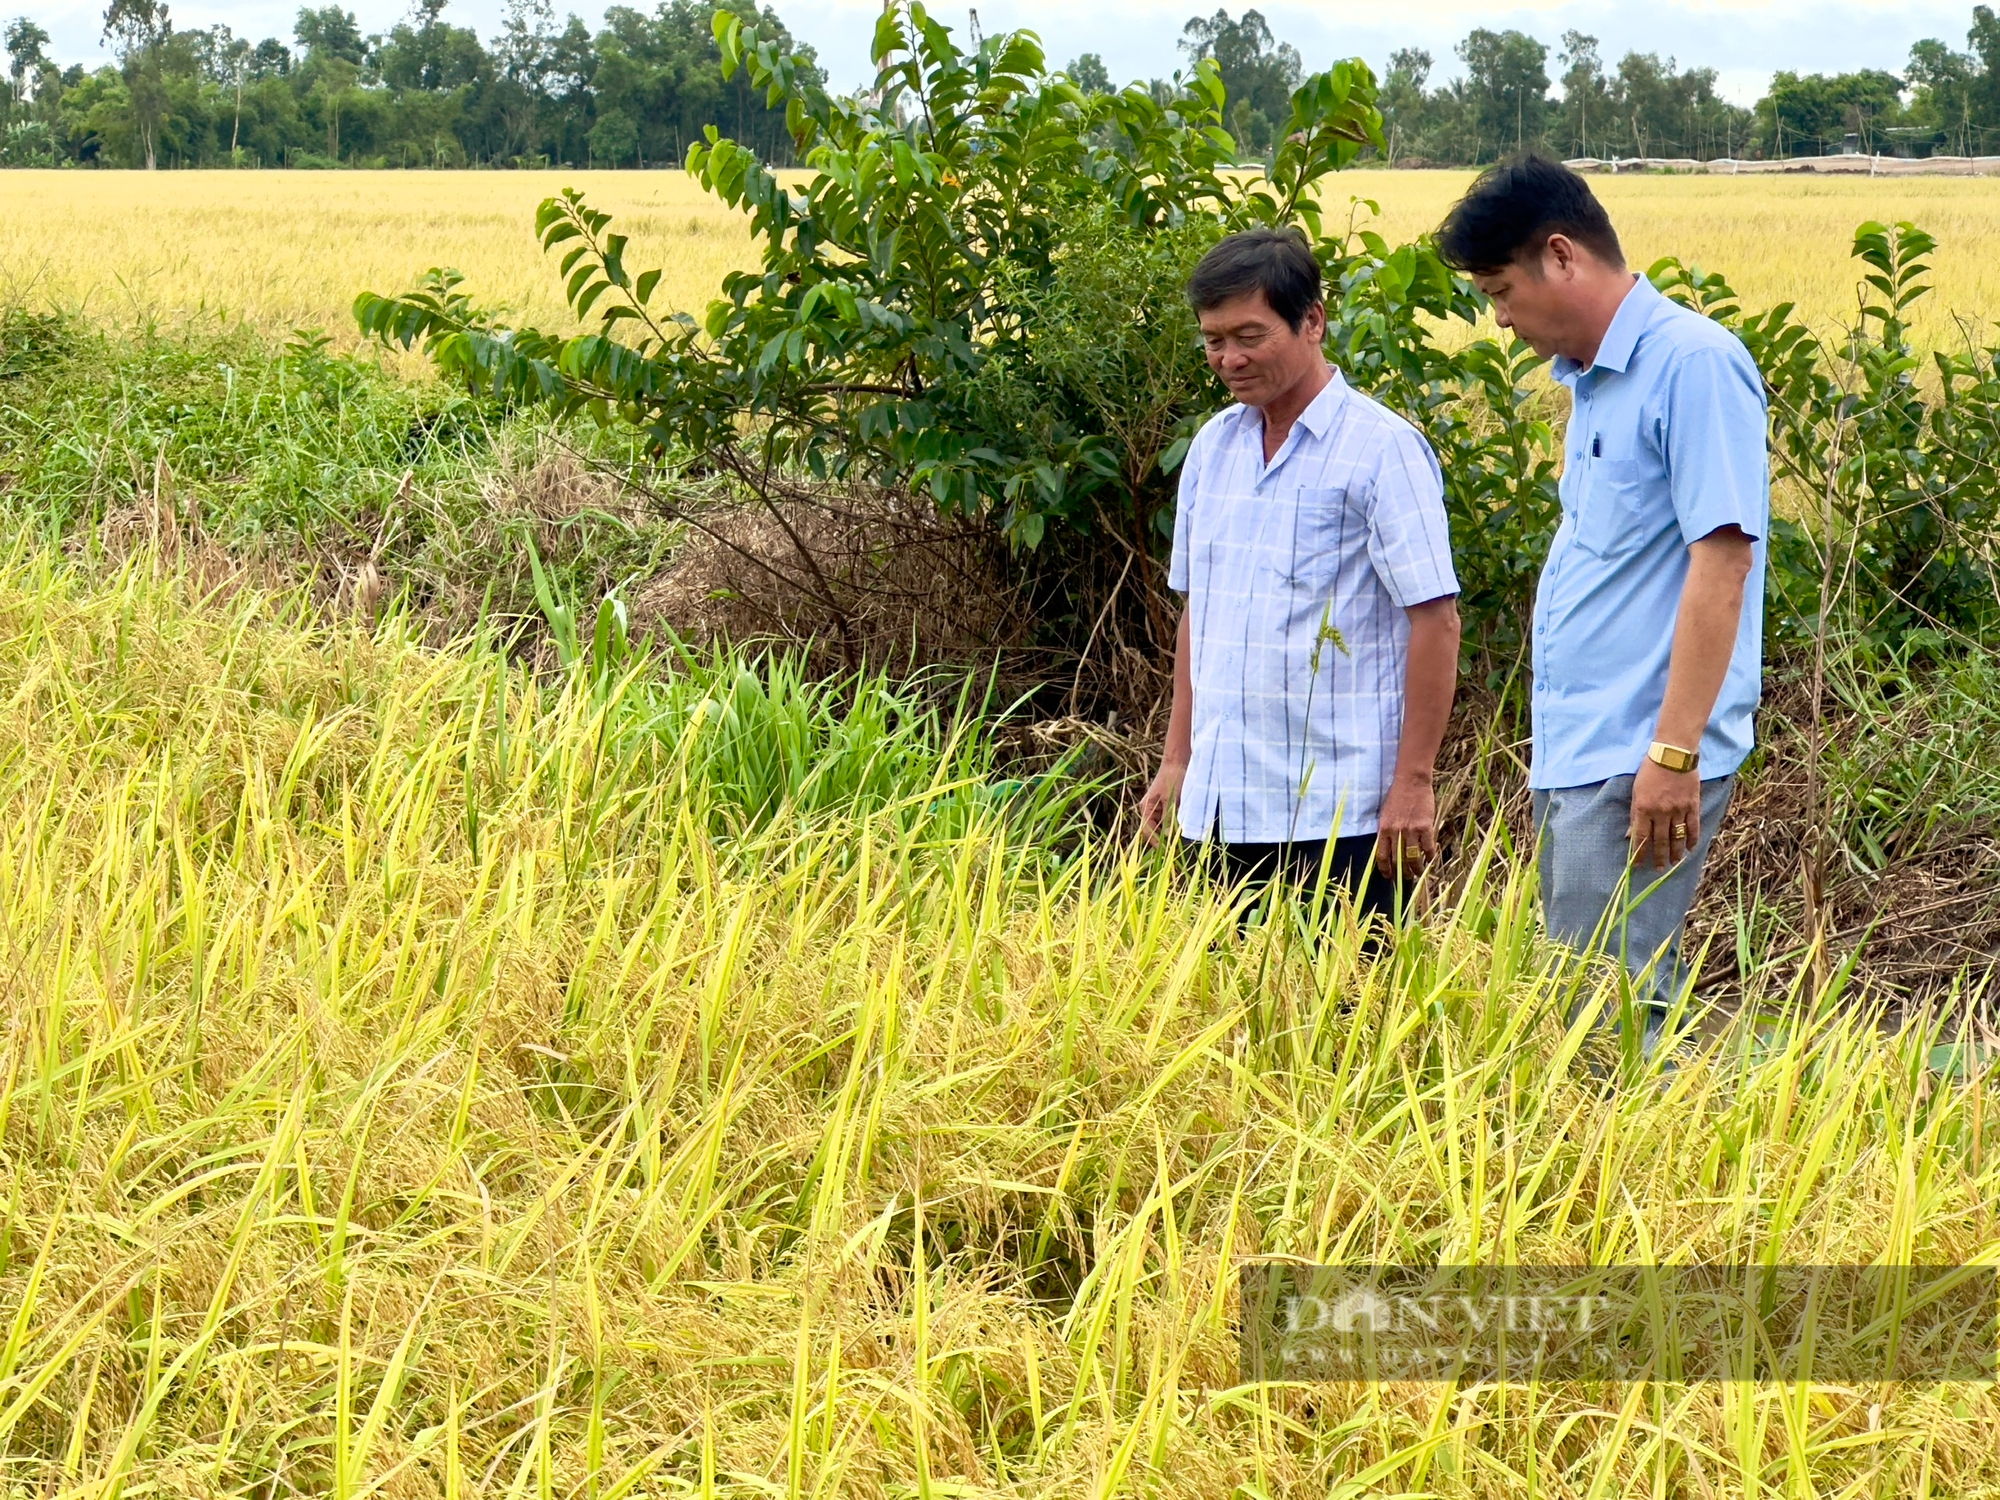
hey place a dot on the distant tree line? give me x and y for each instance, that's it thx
(429, 94)
(640, 88)
(1513, 95)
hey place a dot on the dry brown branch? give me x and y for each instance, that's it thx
(886, 576)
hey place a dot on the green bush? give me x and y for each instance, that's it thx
(28, 143)
(901, 330)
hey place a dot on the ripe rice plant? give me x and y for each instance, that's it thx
(420, 1078)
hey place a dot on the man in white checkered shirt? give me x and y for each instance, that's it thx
(1318, 653)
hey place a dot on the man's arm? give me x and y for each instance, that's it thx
(1164, 795)
(1407, 835)
(1666, 805)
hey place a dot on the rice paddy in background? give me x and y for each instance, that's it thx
(291, 249)
(416, 1081)
(1782, 239)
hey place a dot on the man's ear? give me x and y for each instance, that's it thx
(1314, 322)
(1560, 255)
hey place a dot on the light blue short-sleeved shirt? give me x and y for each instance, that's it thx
(1297, 574)
(1666, 444)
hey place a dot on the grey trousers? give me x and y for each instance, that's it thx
(1595, 899)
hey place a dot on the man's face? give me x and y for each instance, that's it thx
(1531, 295)
(1255, 352)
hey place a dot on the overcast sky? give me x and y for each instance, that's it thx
(1744, 40)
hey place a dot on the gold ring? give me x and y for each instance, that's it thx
(1681, 832)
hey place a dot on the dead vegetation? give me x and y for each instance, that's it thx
(850, 577)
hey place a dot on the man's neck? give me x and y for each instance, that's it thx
(1602, 309)
(1280, 414)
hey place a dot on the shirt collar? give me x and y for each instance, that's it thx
(1321, 410)
(1614, 351)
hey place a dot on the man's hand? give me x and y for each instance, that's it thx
(1406, 838)
(1406, 833)
(1161, 800)
(1666, 814)
(1666, 805)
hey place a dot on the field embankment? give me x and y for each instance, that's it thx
(426, 1079)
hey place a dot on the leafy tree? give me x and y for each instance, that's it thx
(97, 120)
(270, 58)
(26, 58)
(614, 138)
(139, 30)
(524, 59)
(1507, 88)
(1811, 114)
(1089, 74)
(432, 55)
(1671, 113)
(1587, 95)
(1258, 71)
(1943, 84)
(332, 52)
(223, 58)
(664, 74)
(1405, 106)
(1648, 95)
(1983, 37)
(329, 34)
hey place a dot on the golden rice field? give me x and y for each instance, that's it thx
(290, 249)
(416, 1080)
(407, 1089)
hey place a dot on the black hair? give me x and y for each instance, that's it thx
(1277, 262)
(1516, 206)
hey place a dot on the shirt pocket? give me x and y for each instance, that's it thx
(1612, 517)
(1303, 547)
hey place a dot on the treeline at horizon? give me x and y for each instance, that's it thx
(640, 88)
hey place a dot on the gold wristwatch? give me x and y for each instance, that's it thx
(1673, 757)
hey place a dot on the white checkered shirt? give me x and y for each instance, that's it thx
(1297, 576)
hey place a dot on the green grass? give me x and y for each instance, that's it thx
(424, 1078)
(306, 462)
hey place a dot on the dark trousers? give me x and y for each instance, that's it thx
(1350, 866)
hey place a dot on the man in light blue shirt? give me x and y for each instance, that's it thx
(1648, 629)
